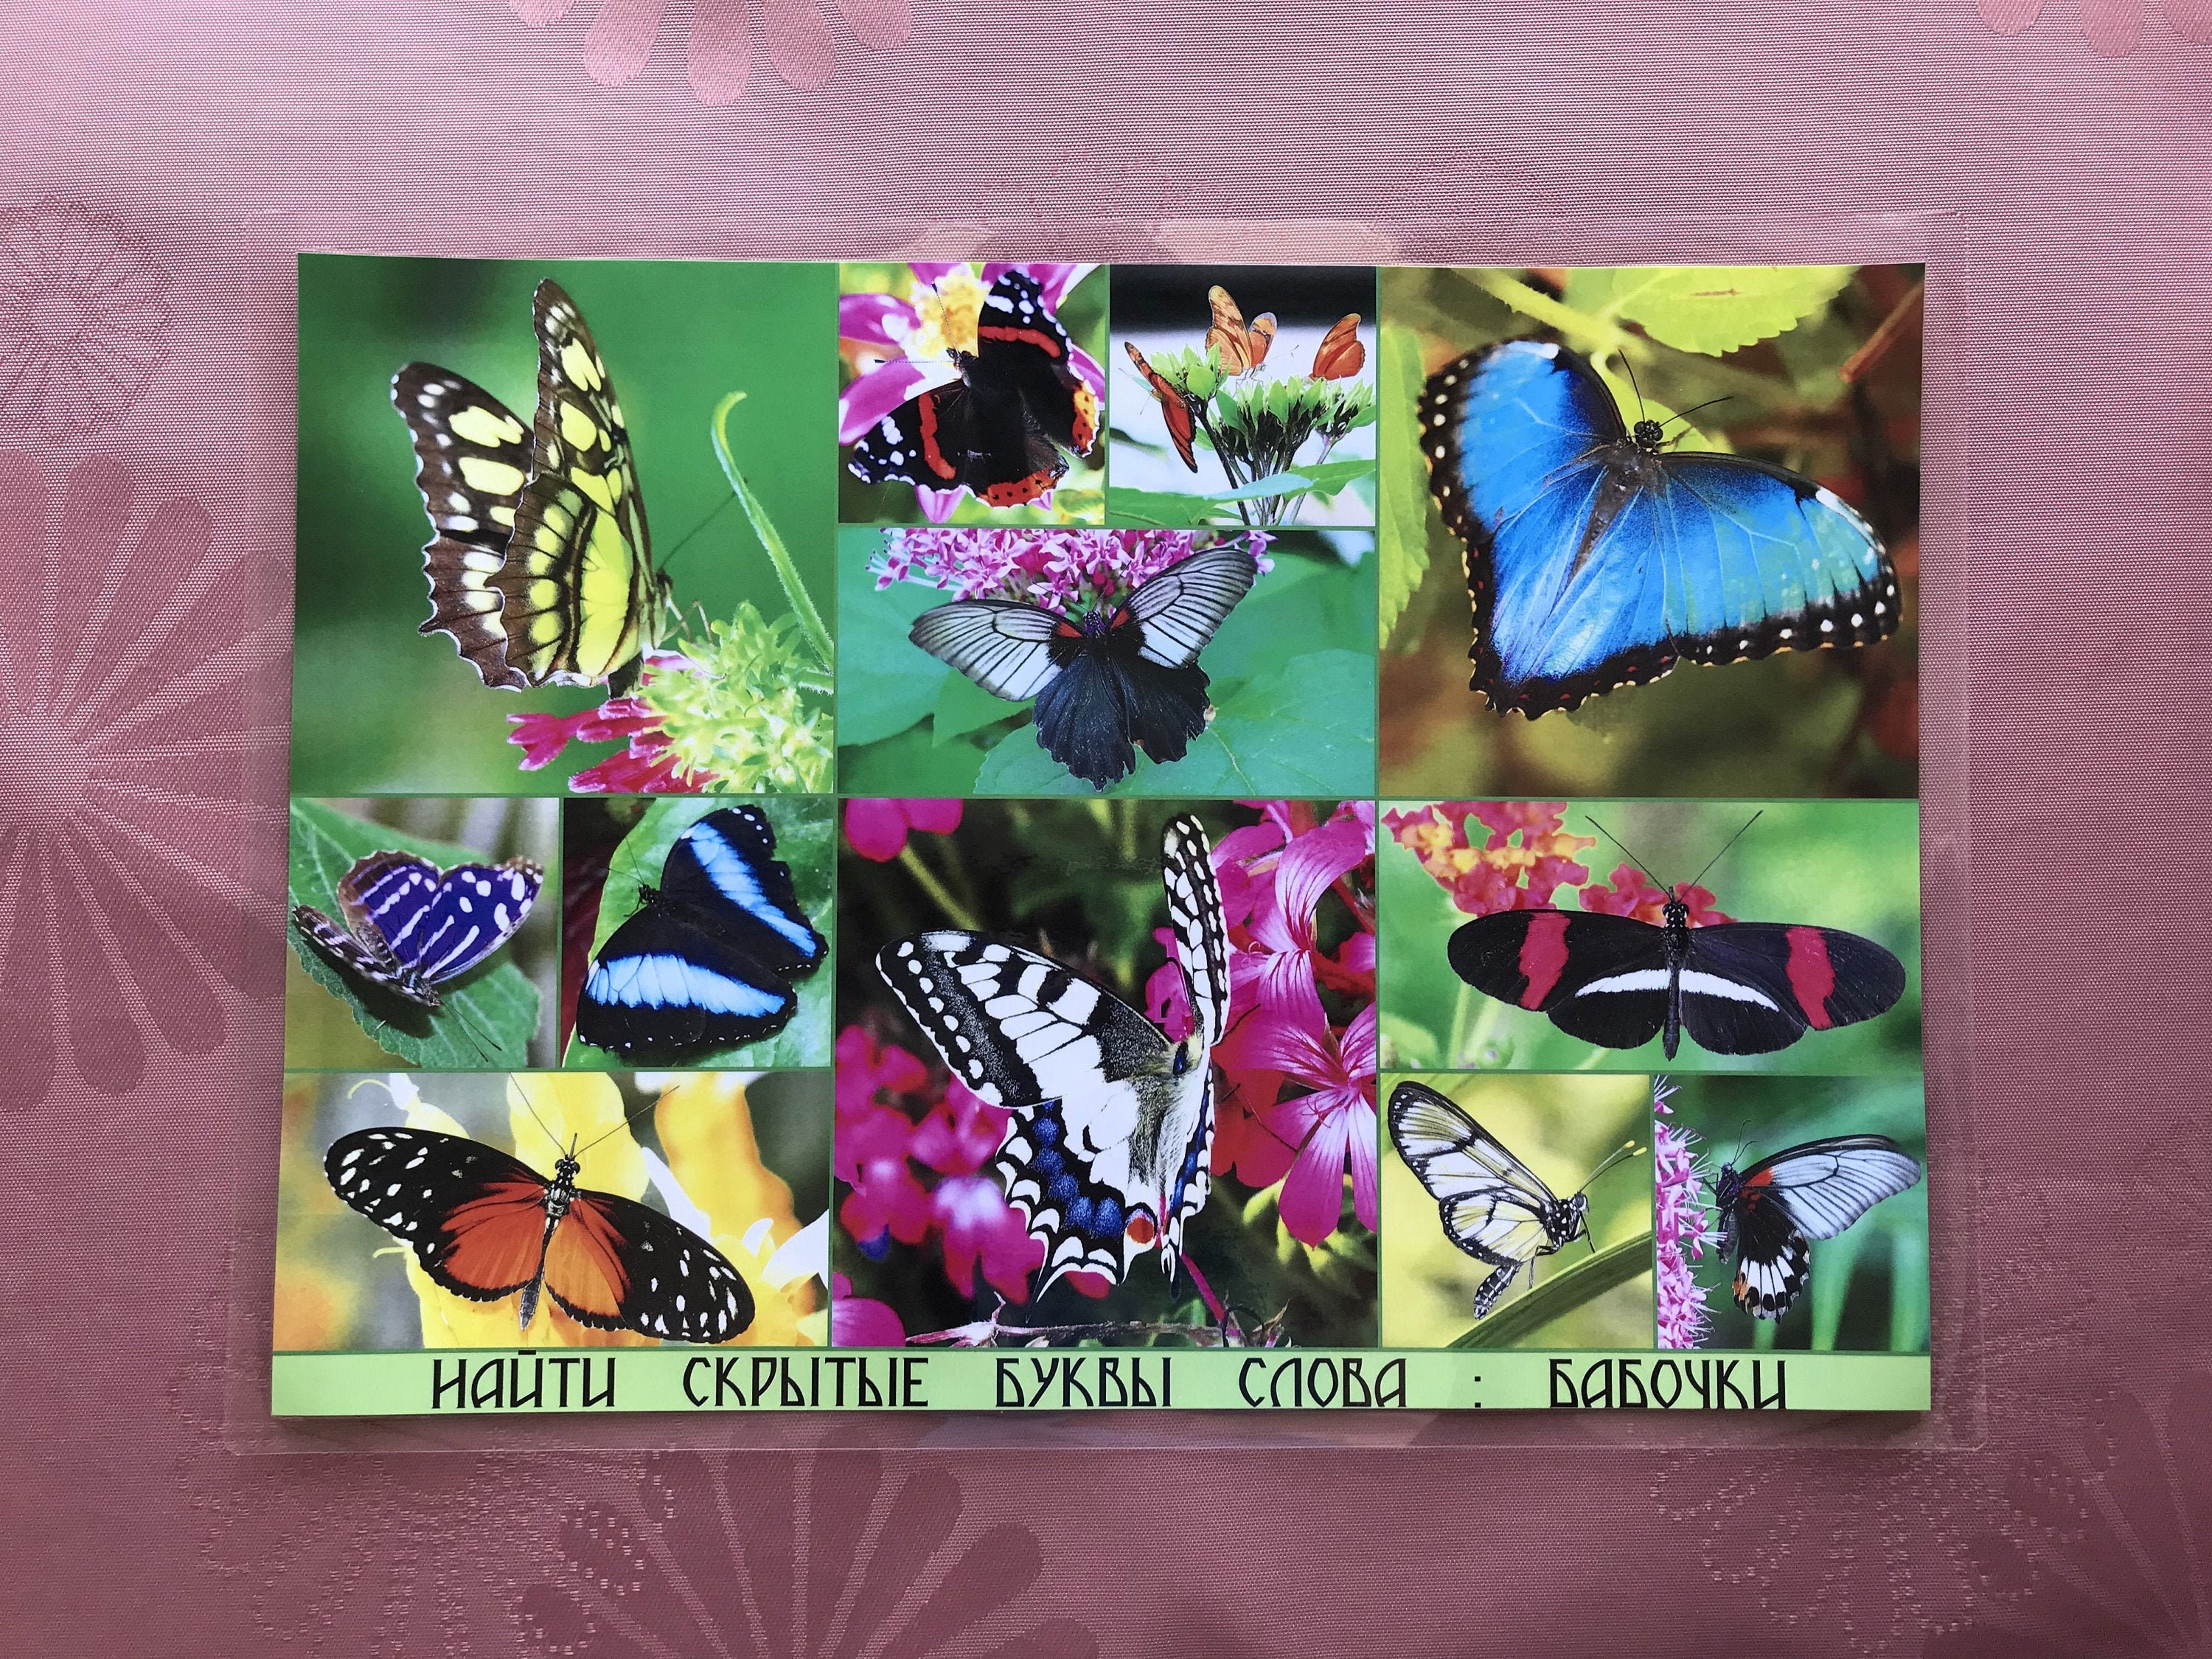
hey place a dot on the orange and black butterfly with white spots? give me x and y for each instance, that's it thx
(486, 1226)
(1004, 430)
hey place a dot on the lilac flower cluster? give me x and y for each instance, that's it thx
(1063, 570)
(1683, 1225)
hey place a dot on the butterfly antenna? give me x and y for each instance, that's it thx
(683, 541)
(1626, 1149)
(1626, 848)
(1731, 842)
(628, 1118)
(1638, 391)
(475, 1033)
(1694, 408)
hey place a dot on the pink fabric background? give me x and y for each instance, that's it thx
(158, 164)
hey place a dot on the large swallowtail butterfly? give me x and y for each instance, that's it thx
(541, 568)
(1004, 430)
(709, 959)
(1106, 681)
(411, 928)
(485, 1226)
(1770, 1211)
(1107, 1154)
(1494, 1206)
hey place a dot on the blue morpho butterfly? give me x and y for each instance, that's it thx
(1595, 558)
(411, 928)
(707, 961)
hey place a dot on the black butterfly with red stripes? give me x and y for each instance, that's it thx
(1770, 1211)
(1004, 430)
(1737, 987)
(1112, 678)
(485, 1226)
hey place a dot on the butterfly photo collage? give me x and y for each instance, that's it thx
(1268, 837)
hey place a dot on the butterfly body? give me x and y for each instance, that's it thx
(1178, 407)
(1111, 679)
(486, 1226)
(1003, 430)
(409, 927)
(1107, 1152)
(1770, 1211)
(1738, 987)
(709, 958)
(541, 566)
(1598, 557)
(1493, 1205)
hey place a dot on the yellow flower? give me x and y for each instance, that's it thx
(951, 313)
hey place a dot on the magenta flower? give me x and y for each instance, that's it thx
(899, 344)
(1682, 1225)
(1332, 1125)
(1063, 570)
(876, 829)
(981, 1230)
(648, 766)
(624, 35)
(860, 1322)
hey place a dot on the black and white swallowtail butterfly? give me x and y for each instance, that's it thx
(1106, 681)
(1770, 1211)
(1494, 1206)
(1107, 1154)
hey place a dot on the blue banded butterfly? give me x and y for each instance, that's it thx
(1597, 558)
(485, 1226)
(411, 928)
(1113, 679)
(1770, 1211)
(1108, 1153)
(708, 960)
(1493, 1207)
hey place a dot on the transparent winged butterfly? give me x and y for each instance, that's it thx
(1494, 1206)
(1115, 676)
(1107, 1152)
(485, 1226)
(708, 960)
(1770, 1211)
(411, 928)
(541, 567)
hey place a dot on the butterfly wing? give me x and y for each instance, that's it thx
(614, 1264)
(1749, 987)
(1814, 1190)
(1180, 609)
(1201, 934)
(1594, 564)
(475, 1215)
(367, 957)
(471, 460)
(1226, 337)
(1082, 1073)
(580, 597)
(1340, 356)
(1493, 1207)
(1003, 645)
(1175, 406)
(707, 961)
(1601, 978)
(439, 924)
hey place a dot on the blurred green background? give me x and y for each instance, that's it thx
(380, 708)
(1080, 497)
(1080, 882)
(1292, 683)
(1869, 1290)
(320, 1030)
(1798, 723)
(1562, 1127)
(1853, 865)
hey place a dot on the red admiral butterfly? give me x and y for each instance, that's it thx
(1004, 430)
(1815, 1190)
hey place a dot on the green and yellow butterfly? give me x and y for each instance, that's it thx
(541, 568)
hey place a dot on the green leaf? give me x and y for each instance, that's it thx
(1717, 309)
(1403, 535)
(488, 1017)
(1560, 1293)
(806, 840)
(885, 682)
(962, 706)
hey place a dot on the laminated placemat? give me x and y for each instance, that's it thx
(1074, 917)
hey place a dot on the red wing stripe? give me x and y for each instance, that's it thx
(1812, 976)
(1042, 341)
(1543, 955)
(930, 452)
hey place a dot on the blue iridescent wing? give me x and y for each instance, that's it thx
(1594, 561)
(437, 925)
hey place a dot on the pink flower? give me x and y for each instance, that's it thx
(980, 1228)
(624, 35)
(876, 829)
(84, 319)
(899, 345)
(1633, 893)
(1065, 570)
(858, 1322)
(648, 766)
(1682, 1225)
(1332, 1125)
(1523, 857)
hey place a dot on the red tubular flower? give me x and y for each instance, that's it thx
(876, 829)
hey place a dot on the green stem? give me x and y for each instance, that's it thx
(1562, 1293)
(955, 912)
(1587, 331)
(802, 604)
